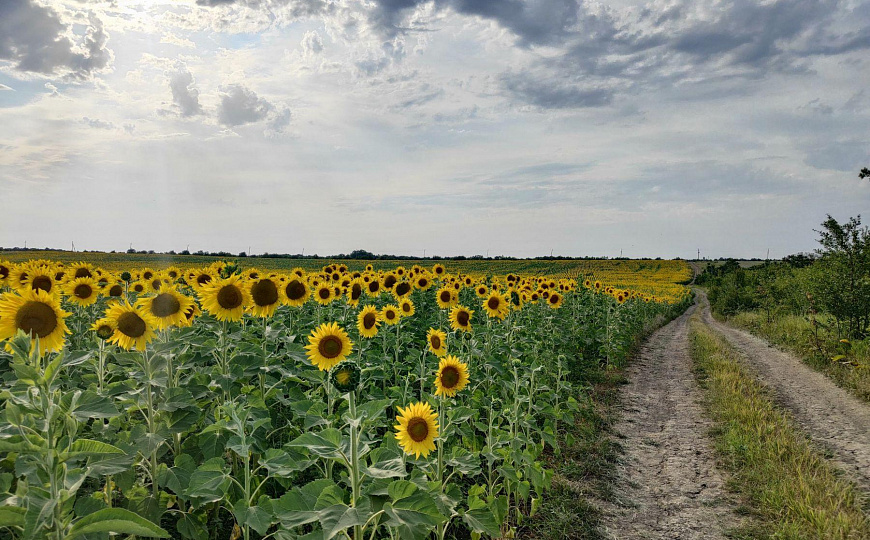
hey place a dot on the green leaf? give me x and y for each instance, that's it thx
(283, 463)
(482, 520)
(296, 507)
(88, 404)
(176, 398)
(209, 482)
(191, 526)
(413, 511)
(118, 521)
(83, 448)
(12, 516)
(325, 444)
(391, 468)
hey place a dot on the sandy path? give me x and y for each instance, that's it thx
(824, 411)
(669, 487)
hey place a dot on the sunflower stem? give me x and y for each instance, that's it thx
(354, 459)
(265, 363)
(442, 426)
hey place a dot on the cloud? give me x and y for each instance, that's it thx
(555, 93)
(240, 106)
(4, 87)
(843, 155)
(184, 92)
(35, 40)
(311, 43)
(97, 124)
(534, 22)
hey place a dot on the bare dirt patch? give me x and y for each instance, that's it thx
(668, 485)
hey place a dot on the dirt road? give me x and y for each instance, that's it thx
(668, 487)
(831, 417)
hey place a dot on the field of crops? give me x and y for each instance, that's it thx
(663, 278)
(224, 402)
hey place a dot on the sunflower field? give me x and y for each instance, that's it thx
(227, 403)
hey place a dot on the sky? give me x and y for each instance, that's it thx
(458, 127)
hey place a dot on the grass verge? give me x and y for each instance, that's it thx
(789, 488)
(797, 335)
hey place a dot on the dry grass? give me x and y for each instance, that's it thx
(791, 489)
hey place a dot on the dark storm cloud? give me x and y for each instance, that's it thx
(668, 45)
(32, 37)
(534, 22)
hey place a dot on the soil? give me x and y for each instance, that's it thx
(833, 419)
(668, 486)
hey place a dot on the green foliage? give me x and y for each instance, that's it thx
(226, 430)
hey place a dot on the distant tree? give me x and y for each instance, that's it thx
(865, 173)
(243, 255)
(842, 277)
(799, 260)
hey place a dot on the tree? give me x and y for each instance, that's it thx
(842, 274)
(865, 173)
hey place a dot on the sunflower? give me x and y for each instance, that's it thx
(134, 327)
(460, 318)
(437, 341)
(481, 291)
(36, 313)
(390, 314)
(80, 270)
(266, 297)
(5, 268)
(83, 291)
(296, 292)
(389, 280)
(402, 289)
(104, 328)
(406, 307)
(496, 305)
(354, 292)
(225, 298)
(40, 277)
(373, 287)
(555, 300)
(251, 274)
(114, 290)
(452, 376)
(168, 306)
(417, 429)
(367, 322)
(139, 287)
(323, 294)
(422, 282)
(192, 313)
(328, 345)
(446, 297)
(156, 282)
(438, 270)
(200, 278)
(172, 273)
(345, 376)
(18, 276)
